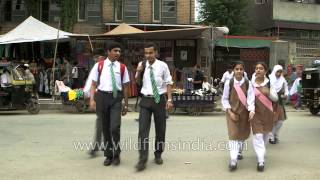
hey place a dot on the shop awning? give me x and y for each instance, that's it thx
(186, 33)
(123, 29)
(32, 30)
(245, 42)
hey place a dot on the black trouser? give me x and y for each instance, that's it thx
(109, 110)
(147, 108)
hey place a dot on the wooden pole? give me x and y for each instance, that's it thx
(54, 64)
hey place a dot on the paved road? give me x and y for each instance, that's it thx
(42, 147)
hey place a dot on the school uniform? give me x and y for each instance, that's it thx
(156, 78)
(240, 103)
(281, 87)
(262, 123)
(109, 104)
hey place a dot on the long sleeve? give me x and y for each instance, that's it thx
(167, 76)
(286, 89)
(87, 86)
(251, 98)
(273, 95)
(225, 97)
(223, 79)
(294, 87)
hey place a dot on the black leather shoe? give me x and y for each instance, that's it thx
(107, 162)
(158, 160)
(240, 156)
(260, 167)
(233, 167)
(140, 166)
(272, 141)
(116, 161)
(276, 140)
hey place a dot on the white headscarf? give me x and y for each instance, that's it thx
(276, 83)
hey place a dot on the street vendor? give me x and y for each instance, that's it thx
(28, 75)
(198, 78)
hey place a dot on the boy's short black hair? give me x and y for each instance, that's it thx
(151, 44)
(113, 45)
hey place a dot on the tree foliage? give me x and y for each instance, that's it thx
(230, 13)
(68, 12)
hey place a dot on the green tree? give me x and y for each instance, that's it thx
(68, 14)
(230, 13)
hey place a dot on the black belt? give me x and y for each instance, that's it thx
(151, 96)
(108, 92)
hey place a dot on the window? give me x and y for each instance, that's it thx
(82, 10)
(304, 1)
(156, 10)
(315, 35)
(131, 11)
(19, 5)
(118, 10)
(260, 1)
(169, 11)
(304, 34)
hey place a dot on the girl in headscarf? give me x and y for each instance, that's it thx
(262, 122)
(238, 102)
(281, 86)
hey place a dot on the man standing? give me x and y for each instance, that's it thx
(98, 55)
(198, 78)
(110, 78)
(228, 74)
(156, 83)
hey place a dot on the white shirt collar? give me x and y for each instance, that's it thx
(147, 64)
(266, 80)
(109, 62)
(238, 82)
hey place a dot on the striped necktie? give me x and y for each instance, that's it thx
(114, 84)
(154, 86)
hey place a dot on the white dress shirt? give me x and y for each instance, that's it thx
(226, 76)
(294, 88)
(250, 95)
(87, 86)
(105, 77)
(273, 96)
(162, 77)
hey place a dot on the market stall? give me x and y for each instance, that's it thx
(194, 102)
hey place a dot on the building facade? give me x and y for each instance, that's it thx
(89, 14)
(295, 21)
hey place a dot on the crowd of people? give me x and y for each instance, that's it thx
(254, 106)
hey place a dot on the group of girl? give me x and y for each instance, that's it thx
(256, 106)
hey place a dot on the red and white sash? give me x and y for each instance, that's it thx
(263, 99)
(241, 95)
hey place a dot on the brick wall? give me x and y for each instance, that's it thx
(183, 11)
(108, 11)
(145, 11)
